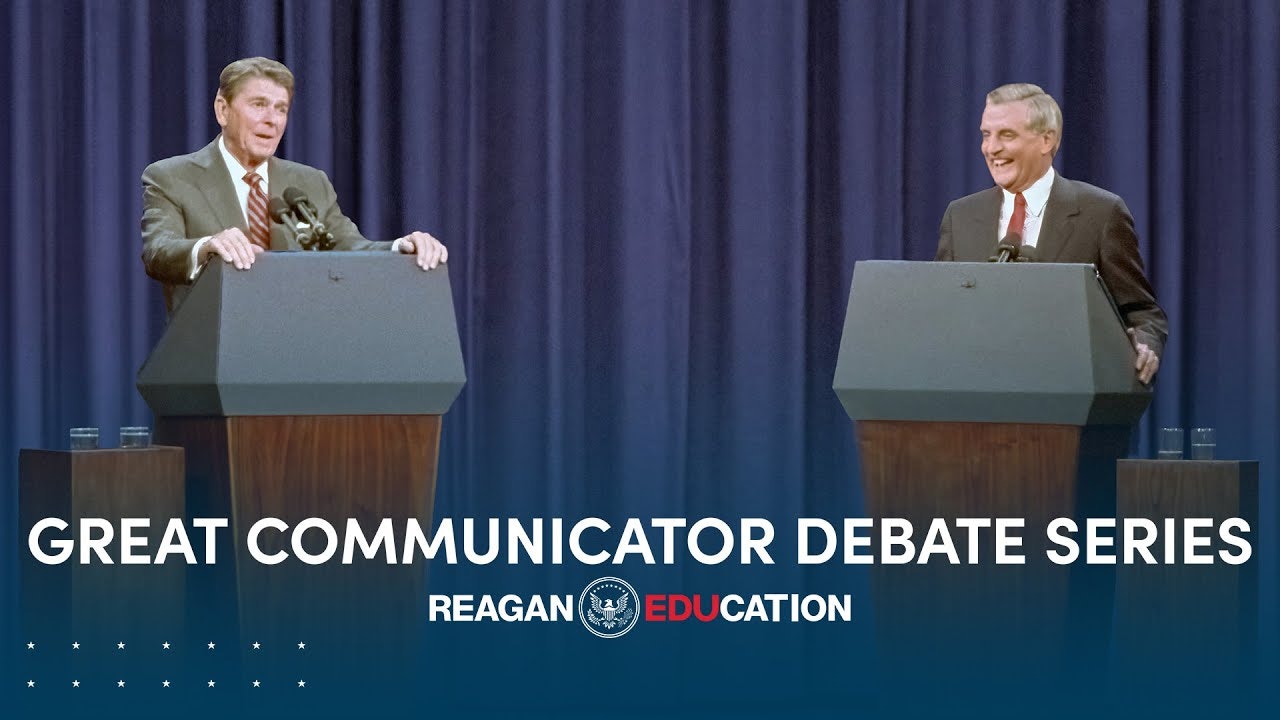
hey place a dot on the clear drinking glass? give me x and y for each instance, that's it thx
(1170, 447)
(135, 436)
(84, 438)
(1203, 442)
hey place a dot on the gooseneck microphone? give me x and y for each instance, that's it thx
(306, 212)
(303, 208)
(1007, 250)
(280, 212)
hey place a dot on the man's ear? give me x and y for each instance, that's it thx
(1050, 138)
(220, 109)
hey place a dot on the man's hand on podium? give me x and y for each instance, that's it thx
(232, 246)
(430, 251)
(1147, 363)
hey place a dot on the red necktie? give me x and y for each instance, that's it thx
(259, 227)
(1019, 218)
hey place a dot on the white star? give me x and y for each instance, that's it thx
(119, 646)
(75, 683)
(210, 646)
(257, 646)
(257, 683)
(119, 683)
(166, 683)
(31, 646)
(302, 683)
(31, 683)
(164, 645)
(302, 646)
(211, 683)
(75, 646)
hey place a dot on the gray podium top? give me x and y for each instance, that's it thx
(319, 333)
(986, 342)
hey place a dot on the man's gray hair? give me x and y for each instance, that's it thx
(234, 75)
(1043, 112)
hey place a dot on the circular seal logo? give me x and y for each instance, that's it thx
(609, 607)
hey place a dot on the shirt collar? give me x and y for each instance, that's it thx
(236, 169)
(1037, 195)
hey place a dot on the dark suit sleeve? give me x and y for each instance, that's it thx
(945, 249)
(346, 235)
(166, 251)
(1122, 271)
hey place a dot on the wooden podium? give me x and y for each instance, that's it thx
(982, 390)
(311, 386)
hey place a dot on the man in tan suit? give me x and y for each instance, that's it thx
(211, 202)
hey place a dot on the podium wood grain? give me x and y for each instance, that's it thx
(365, 468)
(970, 623)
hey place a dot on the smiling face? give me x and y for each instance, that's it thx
(253, 120)
(1016, 155)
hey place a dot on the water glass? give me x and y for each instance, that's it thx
(1170, 447)
(135, 436)
(84, 438)
(1203, 443)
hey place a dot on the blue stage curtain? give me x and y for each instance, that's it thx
(653, 210)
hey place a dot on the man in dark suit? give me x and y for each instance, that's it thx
(1065, 220)
(213, 202)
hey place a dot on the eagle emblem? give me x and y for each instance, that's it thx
(608, 607)
(611, 613)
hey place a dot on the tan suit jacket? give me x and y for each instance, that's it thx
(188, 197)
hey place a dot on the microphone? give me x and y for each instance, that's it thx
(1006, 251)
(279, 211)
(1027, 253)
(304, 210)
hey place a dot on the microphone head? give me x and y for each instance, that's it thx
(1027, 253)
(295, 197)
(279, 210)
(1011, 243)
(1007, 249)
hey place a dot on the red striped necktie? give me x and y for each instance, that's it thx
(259, 226)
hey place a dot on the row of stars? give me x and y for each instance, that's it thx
(166, 683)
(164, 646)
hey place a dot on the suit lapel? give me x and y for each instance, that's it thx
(217, 188)
(985, 223)
(281, 178)
(282, 238)
(1060, 219)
